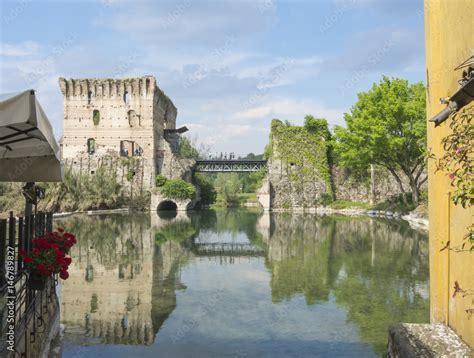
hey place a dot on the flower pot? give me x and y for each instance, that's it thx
(37, 283)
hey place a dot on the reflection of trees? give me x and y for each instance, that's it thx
(231, 221)
(125, 274)
(298, 257)
(178, 231)
(382, 276)
(378, 270)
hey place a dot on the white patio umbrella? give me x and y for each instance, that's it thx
(28, 149)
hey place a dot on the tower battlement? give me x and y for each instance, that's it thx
(83, 88)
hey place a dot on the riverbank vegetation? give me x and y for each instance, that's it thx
(78, 192)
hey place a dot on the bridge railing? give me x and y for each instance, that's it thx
(223, 165)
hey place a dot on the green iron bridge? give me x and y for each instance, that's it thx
(223, 165)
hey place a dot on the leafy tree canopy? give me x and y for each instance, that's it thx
(177, 189)
(387, 126)
(187, 149)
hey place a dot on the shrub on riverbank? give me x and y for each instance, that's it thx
(177, 189)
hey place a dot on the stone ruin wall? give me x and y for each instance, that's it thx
(385, 186)
(134, 110)
(285, 194)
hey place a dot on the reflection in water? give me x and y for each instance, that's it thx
(377, 270)
(107, 297)
(145, 283)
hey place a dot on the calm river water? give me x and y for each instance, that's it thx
(281, 285)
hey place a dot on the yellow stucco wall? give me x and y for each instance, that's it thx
(449, 39)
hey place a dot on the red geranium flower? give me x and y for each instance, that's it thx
(64, 275)
(49, 254)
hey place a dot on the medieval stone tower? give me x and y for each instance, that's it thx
(131, 117)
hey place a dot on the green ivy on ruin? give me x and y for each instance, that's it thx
(304, 149)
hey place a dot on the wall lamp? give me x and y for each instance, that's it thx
(463, 96)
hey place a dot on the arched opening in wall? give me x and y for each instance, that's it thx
(89, 97)
(167, 205)
(126, 97)
(96, 117)
(133, 119)
(91, 146)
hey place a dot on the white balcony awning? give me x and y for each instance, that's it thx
(28, 149)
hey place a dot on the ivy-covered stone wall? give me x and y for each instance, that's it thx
(298, 168)
(301, 173)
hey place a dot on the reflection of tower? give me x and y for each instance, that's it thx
(263, 226)
(169, 256)
(108, 293)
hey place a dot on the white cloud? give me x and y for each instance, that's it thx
(26, 48)
(185, 22)
(224, 124)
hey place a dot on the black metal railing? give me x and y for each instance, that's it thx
(18, 303)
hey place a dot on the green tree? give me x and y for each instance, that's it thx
(177, 189)
(228, 186)
(387, 127)
(187, 150)
(317, 125)
(206, 186)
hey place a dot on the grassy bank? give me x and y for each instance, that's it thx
(240, 200)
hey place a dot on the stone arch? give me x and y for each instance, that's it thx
(126, 97)
(167, 205)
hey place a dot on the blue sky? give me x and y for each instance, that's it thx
(229, 66)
